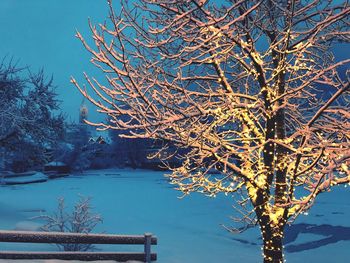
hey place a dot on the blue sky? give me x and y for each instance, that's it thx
(40, 33)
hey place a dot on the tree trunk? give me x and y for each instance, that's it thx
(273, 247)
(272, 223)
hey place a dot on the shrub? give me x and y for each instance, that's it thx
(80, 220)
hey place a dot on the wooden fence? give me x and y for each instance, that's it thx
(70, 238)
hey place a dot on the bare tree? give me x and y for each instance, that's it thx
(80, 220)
(251, 88)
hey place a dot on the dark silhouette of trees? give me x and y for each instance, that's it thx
(29, 116)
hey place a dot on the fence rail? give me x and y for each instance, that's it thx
(58, 237)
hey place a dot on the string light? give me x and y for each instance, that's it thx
(267, 154)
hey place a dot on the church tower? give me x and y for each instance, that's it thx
(83, 112)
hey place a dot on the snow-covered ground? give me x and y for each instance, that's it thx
(188, 229)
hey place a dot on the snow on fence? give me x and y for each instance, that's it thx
(58, 238)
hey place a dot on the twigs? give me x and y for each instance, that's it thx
(240, 87)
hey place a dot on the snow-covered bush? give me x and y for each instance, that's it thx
(80, 220)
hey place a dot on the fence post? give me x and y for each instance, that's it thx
(148, 237)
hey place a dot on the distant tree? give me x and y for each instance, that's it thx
(250, 87)
(29, 125)
(79, 158)
(129, 152)
(138, 152)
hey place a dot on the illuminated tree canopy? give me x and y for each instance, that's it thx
(250, 88)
